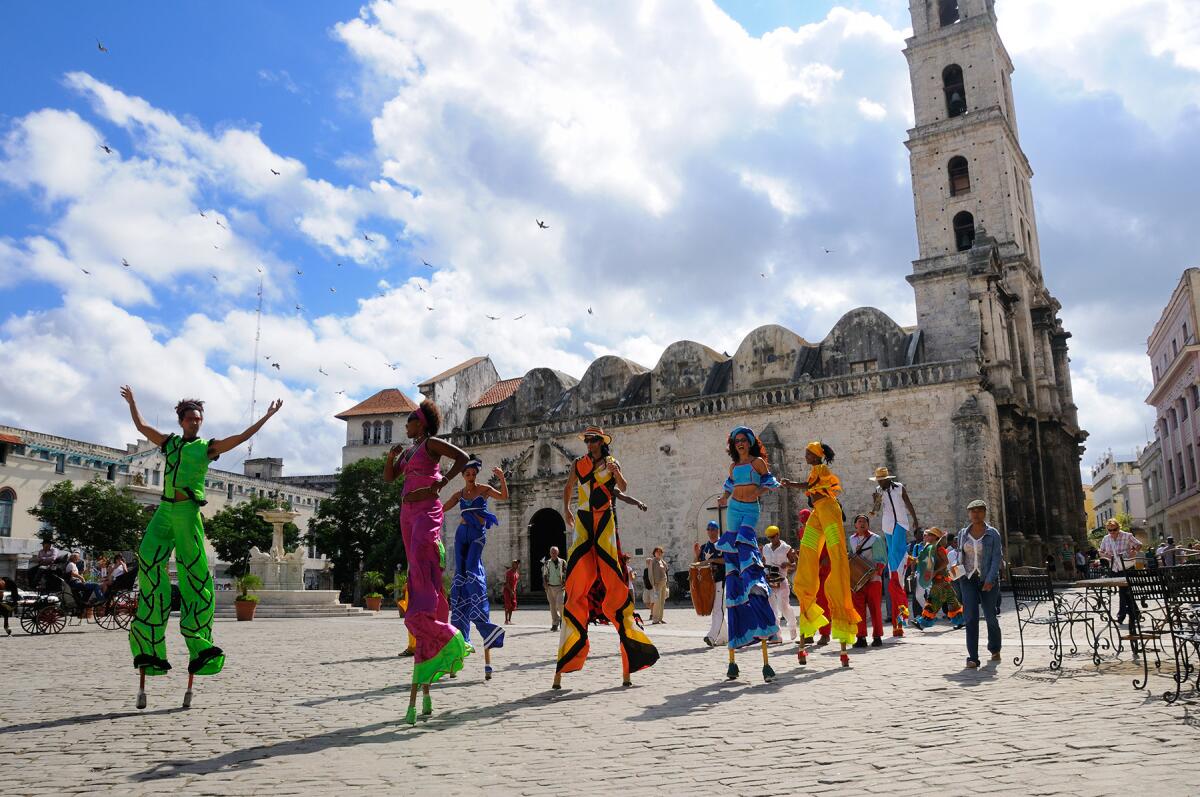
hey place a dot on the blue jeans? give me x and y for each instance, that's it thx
(973, 597)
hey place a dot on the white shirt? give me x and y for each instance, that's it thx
(893, 508)
(73, 571)
(972, 556)
(117, 571)
(1120, 550)
(777, 556)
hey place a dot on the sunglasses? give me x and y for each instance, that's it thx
(593, 440)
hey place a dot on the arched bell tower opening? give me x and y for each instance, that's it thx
(546, 530)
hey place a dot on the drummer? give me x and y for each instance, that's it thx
(780, 559)
(708, 553)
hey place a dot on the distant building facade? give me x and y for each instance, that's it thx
(1117, 489)
(1175, 363)
(33, 462)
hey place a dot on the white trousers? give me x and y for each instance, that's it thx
(716, 629)
(781, 604)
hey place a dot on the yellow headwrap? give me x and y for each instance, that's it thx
(772, 531)
(816, 449)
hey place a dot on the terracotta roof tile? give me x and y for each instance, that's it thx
(452, 371)
(388, 401)
(498, 392)
(10, 438)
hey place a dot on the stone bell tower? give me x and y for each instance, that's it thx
(978, 278)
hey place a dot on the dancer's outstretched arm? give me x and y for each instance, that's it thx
(144, 429)
(500, 494)
(218, 447)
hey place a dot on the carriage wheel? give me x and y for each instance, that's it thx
(51, 619)
(29, 619)
(124, 607)
(105, 615)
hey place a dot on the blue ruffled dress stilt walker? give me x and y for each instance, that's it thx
(749, 616)
(468, 592)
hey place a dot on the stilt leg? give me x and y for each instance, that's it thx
(487, 664)
(411, 716)
(625, 681)
(141, 697)
(768, 673)
(187, 696)
(732, 672)
(426, 703)
(845, 656)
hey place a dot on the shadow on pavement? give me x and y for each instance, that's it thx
(86, 718)
(708, 695)
(380, 693)
(366, 660)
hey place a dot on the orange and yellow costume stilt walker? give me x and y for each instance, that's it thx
(595, 554)
(824, 530)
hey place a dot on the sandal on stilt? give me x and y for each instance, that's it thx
(801, 657)
(411, 716)
(426, 706)
(487, 673)
(768, 673)
(732, 672)
(845, 659)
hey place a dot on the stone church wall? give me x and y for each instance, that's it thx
(677, 464)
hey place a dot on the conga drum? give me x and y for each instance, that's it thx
(703, 588)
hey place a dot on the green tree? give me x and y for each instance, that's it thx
(1125, 520)
(96, 517)
(236, 529)
(359, 523)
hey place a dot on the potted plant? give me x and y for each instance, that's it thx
(372, 582)
(246, 601)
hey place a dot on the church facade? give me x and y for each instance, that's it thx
(973, 402)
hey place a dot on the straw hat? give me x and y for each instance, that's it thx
(881, 474)
(936, 532)
(596, 431)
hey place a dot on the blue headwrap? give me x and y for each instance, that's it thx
(746, 430)
(712, 524)
(473, 463)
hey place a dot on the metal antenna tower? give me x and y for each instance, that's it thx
(254, 381)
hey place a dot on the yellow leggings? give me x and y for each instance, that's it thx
(825, 530)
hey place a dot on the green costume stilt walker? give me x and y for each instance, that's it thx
(178, 527)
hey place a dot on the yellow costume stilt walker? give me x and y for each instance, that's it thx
(824, 530)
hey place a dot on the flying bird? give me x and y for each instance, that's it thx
(590, 311)
(368, 238)
(492, 317)
(266, 357)
(322, 371)
(542, 224)
(339, 265)
(275, 366)
(214, 276)
(762, 274)
(219, 224)
(340, 393)
(216, 247)
(348, 365)
(430, 309)
(100, 46)
(202, 215)
(125, 263)
(85, 271)
(274, 172)
(425, 263)
(828, 251)
(420, 287)
(299, 308)
(518, 318)
(298, 271)
(107, 149)
(332, 289)
(259, 269)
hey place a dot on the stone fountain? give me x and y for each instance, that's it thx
(282, 573)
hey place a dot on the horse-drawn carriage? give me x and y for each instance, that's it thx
(57, 602)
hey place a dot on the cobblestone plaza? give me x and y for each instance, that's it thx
(316, 707)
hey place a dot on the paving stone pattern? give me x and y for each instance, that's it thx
(316, 707)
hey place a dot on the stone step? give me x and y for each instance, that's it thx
(322, 610)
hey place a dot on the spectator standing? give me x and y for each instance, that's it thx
(708, 553)
(658, 586)
(980, 547)
(1120, 549)
(1166, 553)
(554, 575)
(512, 576)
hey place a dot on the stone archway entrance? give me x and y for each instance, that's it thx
(546, 530)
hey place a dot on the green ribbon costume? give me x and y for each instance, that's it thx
(177, 525)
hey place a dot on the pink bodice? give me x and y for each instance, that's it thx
(419, 468)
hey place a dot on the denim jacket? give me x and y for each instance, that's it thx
(992, 554)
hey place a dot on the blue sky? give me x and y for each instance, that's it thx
(675, 148)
